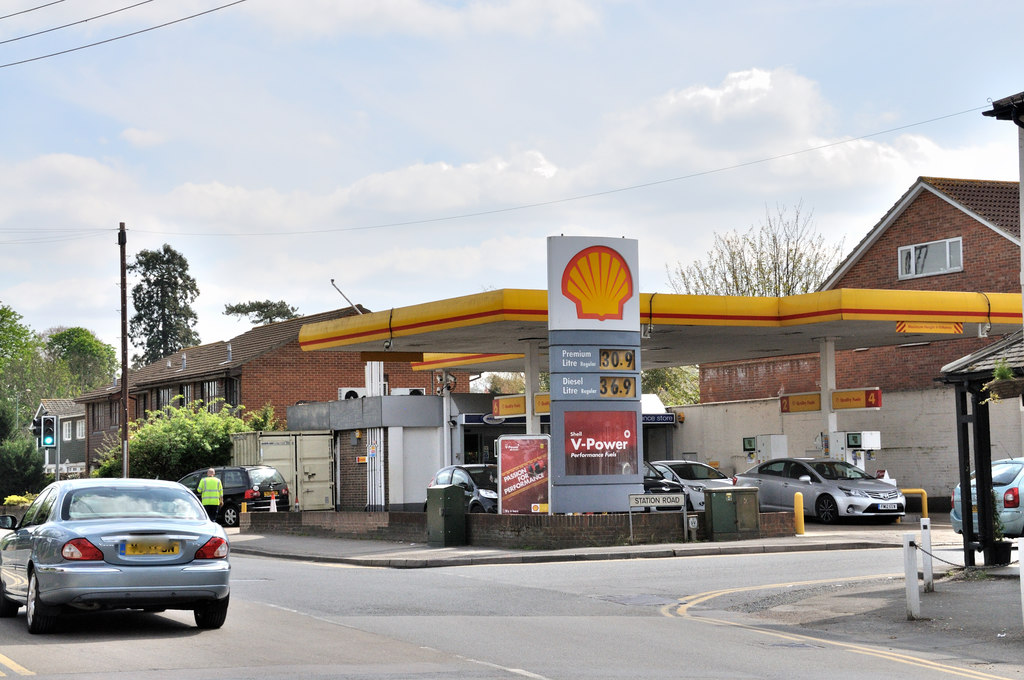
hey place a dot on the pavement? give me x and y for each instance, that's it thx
(977, 611)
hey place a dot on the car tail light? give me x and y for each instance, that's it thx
(251, 494)
(214, 549)
(81, 549)
(1011, 499)
(735, 481)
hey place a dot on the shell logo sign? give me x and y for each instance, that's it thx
(599, 282)
(592, 284)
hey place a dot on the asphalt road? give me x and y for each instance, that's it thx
(786, 615)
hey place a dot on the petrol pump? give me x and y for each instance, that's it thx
(856, 448)
(764, 447)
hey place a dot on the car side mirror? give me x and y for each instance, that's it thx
(805, 478)
(8, 521)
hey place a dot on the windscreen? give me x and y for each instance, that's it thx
(485, 477)
(140, 501)
(840, 470)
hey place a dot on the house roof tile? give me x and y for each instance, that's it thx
(62, 407)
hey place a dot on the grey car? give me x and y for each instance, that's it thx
(832, 489)
(91, 544)
(694, 476)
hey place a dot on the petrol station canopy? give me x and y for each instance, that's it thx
(490, 331)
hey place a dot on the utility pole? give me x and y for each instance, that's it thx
(122, 240)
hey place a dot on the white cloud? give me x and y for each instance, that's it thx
(142, 138)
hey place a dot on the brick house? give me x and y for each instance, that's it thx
(944, 235)
(263, 365)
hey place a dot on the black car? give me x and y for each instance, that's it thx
(655, 483)
(254, 485)
(478, 481)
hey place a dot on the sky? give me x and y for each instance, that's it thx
(416, 150)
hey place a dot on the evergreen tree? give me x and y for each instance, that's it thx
(164, 321)
(263, 312)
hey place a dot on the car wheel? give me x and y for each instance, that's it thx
(8, 607)
(476, 507)
(210, 616)
(230, 516)
(37, 615)
(826, 509)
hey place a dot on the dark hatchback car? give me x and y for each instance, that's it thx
(478, 481)
(254, 485)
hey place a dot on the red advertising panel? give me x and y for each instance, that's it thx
(600, 443)
(523, 473)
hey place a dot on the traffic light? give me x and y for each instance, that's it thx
(37, 428)
(49, 436)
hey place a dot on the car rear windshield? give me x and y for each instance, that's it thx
(265, 475)
(119, 502)
(1005, 473)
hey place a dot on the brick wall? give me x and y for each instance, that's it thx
(353, 473)
(991, 262)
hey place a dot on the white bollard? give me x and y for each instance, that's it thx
(926, 555)
(910, 576)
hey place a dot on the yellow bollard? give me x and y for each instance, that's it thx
(243, 507)
(798, 513)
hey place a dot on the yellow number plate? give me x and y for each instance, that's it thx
(150, 548)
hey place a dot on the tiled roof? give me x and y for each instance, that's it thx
(62, 407)
(995, 202)
(195, 363)
(1010, 349)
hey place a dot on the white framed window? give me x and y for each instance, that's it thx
(65, 430)
(80, 429)
(928, 259)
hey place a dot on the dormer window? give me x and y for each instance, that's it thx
(934, 257)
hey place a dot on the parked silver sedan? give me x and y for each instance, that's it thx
(91, 544)
(832, 489)
(694, 476)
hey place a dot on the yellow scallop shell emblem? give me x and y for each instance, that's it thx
(599, 282)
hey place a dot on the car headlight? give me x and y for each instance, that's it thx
(853, 492)
(487, 493)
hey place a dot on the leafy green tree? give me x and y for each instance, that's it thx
(21, 467)
(92, 363)
(263, 312)
(675, 386)
(164, 321)
(16, 340)
(26, 373)
(264, 420)
(784, 256)
(174, 441)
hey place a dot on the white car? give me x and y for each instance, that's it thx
(694, 476)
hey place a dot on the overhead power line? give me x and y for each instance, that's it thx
(70, 234)
(121, 37)
(73, 23)
(581, 197)
(30, 9)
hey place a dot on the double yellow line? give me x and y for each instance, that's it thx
(682, 609)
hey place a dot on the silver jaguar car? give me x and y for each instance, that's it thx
(831, 489)
(90, 544)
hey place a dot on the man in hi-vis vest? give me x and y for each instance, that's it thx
(211, 492)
